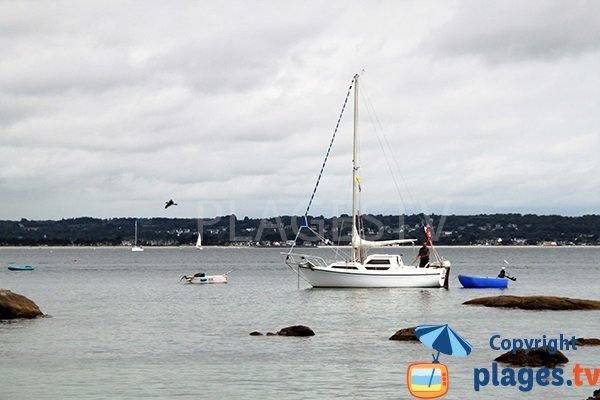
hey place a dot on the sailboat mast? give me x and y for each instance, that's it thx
(135, 238)
(354, 164)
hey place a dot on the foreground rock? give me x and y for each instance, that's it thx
(14, 305)
(294, 330)
(595, 396)
(587, 342)
(535, 358)
(405, 334)
(536, 303)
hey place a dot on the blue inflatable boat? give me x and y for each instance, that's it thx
(482, 282)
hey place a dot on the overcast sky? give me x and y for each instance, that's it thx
(110, 108)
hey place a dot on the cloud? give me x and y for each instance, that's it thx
(109, 109)
(509, 31)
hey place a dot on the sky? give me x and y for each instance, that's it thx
(109, 109)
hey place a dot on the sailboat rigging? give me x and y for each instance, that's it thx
(377, 270)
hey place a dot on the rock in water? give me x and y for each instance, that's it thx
(595, 396)
(587, 342)
(14, 305)
(296, 330)
(536, 302)
(535, 358)
(406, 334)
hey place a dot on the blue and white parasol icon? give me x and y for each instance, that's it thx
(443, 339)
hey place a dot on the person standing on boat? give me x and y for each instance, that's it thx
(423, 255)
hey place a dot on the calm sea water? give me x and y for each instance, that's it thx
(122, 326)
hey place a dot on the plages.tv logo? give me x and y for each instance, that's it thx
(431, 380)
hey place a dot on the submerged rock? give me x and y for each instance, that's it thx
(14, 305)
(595, 396)
(405, 334)
(536, 302)
(535, 358)
(295, 330)
(587, 342)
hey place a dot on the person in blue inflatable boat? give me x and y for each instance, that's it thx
(503, 274)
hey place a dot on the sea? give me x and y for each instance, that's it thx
(121, 325)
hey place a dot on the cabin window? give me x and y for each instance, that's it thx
(378, 261)
(378, 268)
(343, 267)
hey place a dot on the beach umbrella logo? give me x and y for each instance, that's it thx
(431, 380)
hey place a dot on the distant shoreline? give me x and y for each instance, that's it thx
(282, 248)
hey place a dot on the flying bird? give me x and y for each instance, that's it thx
(170, 203)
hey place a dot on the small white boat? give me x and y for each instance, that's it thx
(199, 242)
(135, 245)
(201, 278)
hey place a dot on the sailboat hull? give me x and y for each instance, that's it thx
(409, 277)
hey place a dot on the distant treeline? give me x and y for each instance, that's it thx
(493, 229)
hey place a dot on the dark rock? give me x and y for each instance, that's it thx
(13, 305)
(595, 396)
(587, 342)
(296, 330)
(407, 334)
(536, 303)
(535, 358)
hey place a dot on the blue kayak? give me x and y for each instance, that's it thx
(20, 268)
(482, 282)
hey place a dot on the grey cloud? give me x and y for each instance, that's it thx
(106, 108)
(502, 31)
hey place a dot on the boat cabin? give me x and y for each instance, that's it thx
(375, 262)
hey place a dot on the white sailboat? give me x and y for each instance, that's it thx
(378, 270)
(135, 245)
(199, 242)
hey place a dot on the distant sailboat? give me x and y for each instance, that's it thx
(135, 245)
(199, 242)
